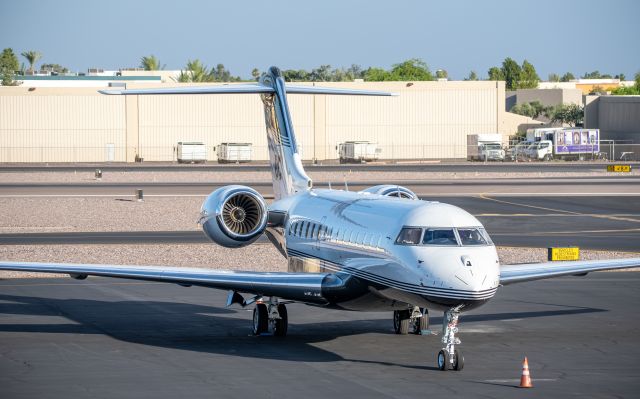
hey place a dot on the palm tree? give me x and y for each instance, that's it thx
(195, 71)
(150, 63)
(32, 57)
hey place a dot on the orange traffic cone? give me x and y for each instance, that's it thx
(525, 380)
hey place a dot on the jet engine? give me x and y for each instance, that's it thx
(391, 190)
(234, 216)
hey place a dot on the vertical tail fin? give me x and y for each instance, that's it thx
(287, 171)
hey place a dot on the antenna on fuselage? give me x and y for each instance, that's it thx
(330, 186)
(346, 186)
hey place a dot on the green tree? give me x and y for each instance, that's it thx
(8, 67)
(629, 91)
(376, 75)
(442, 74)
(32, 57)
(511, 72)
(292, 75)
(255, 74)
(567, 77)
(413, 69)
(57, 68)
(571, 114)
(321, 74)
(532, 109)
(356, 71)
(529, 79)
(554, 77)
(621, 76)
(472, 76)
(151, 63)
(8, 60)
(195, 71)
(495, 73)
(596, 75)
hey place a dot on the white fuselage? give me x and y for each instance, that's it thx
(355, 234)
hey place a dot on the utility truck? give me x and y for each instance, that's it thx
(563, 143)
(485, 147)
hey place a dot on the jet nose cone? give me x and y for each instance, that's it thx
(478, 275)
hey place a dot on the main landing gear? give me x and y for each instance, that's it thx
(414, 319)
(449, 357)
(270, 316)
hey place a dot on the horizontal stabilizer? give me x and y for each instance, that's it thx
(246, 89)
(334, 91)
(225, 89)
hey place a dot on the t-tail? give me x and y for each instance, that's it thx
(287, 171)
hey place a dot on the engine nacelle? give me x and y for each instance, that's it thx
(234, 216)
(391, 190)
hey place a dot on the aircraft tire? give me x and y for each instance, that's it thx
(458, 361)
(260, 319)
(443, 360)
(401, 321)
(422, 323)
(281, 325)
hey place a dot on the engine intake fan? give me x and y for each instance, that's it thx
(234, 216)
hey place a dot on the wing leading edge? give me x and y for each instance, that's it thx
(510, 274)
(303, 287)
(246, 89)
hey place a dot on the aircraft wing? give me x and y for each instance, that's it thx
(304, 287)
(510, 274)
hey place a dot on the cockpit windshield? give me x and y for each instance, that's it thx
(439, 237)
(444, 236)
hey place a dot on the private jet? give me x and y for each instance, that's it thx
(382, 248)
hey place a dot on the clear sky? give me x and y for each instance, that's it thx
(459, 36)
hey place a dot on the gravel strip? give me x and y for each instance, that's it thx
(241, 176)
(257, 257)
(43, 214)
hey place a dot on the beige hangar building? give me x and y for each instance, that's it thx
(428, 120)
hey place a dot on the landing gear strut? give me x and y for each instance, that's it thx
(449, 357)
(270, 316)
(416, 318)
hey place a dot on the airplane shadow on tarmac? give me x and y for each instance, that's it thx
(209, 329)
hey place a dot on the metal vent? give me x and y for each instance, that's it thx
(242, 214)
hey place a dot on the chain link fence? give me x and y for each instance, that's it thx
(608, 151)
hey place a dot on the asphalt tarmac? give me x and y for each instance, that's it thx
(589, 222)
(533, 186)
(107, 338)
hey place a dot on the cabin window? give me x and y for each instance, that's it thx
(439, 237)
(409, 236)
(471, 236)
(316, 231)
(305, 233)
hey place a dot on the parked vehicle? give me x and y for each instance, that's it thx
(234, 152)
(191, 152)
(485, 147)
(518, 152)
(567, 143)
(358, 151)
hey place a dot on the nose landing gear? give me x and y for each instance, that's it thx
(449, 357)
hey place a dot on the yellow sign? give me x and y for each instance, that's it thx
(618, 168)
(564, 253)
